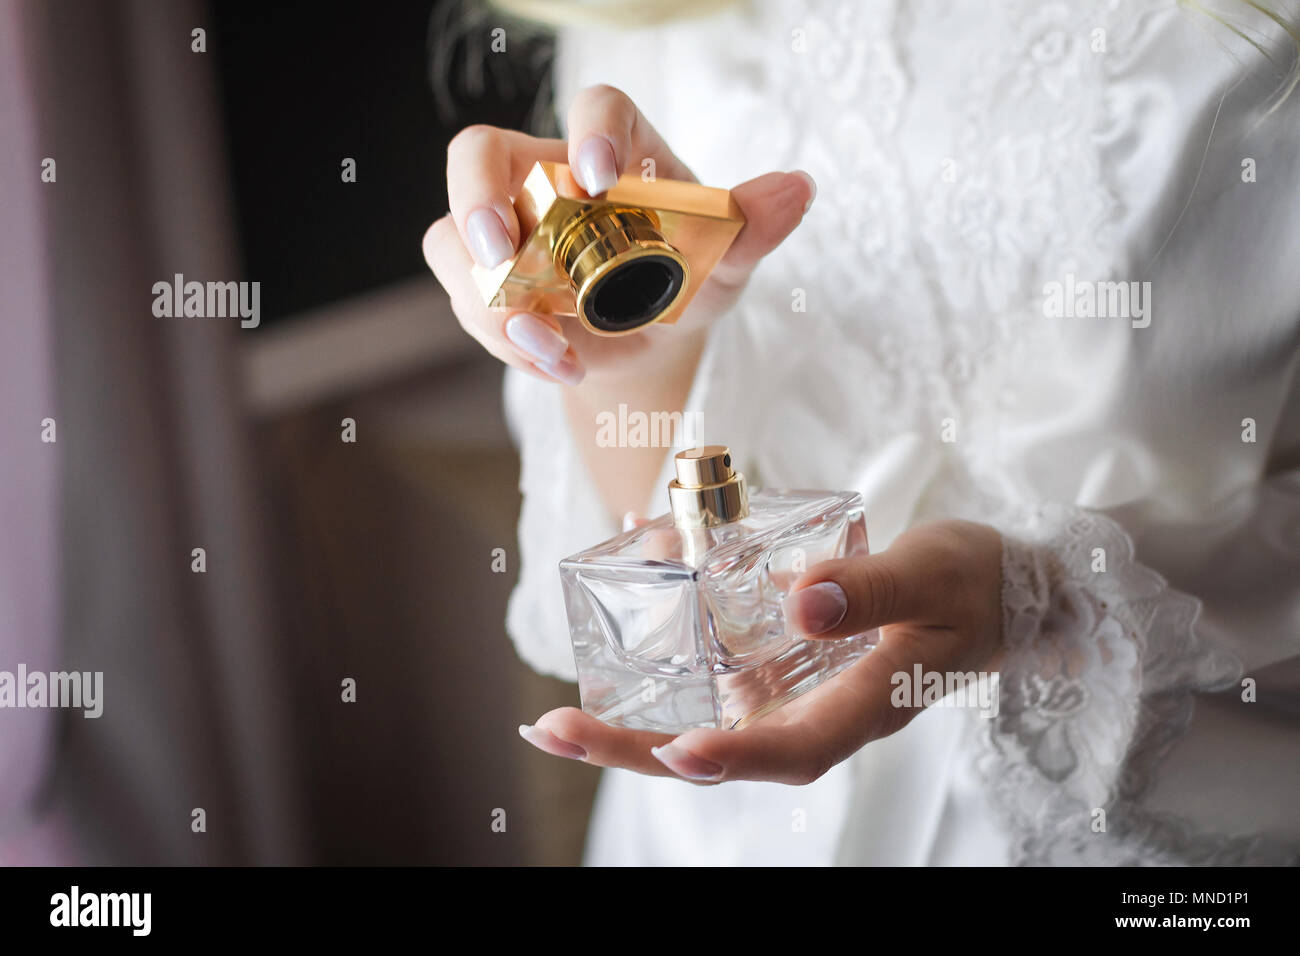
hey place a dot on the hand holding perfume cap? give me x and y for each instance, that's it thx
(634, 255)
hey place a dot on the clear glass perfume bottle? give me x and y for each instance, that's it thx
(678, 623)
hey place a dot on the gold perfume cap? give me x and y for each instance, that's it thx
(623, 274)
(632, 256)
(707, 491)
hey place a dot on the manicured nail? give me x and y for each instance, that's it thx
(685, 764)
(812, 184)
(567, 370)
(597, 168)
(629, 521)
(536, 337)
(815, 609)
(489, 242)
(551, 744)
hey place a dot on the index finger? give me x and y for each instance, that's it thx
(609, 136)
(486, 167)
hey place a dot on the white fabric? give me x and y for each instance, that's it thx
(967, 155)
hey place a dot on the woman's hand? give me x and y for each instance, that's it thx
(936, 594)
(486, 166)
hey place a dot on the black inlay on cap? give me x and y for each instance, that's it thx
(633, 294)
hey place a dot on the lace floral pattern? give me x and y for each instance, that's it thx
(929, 280)
(1102, 661)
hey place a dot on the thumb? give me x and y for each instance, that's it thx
(773, 205)
(847, 596)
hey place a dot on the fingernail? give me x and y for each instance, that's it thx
(597, 168)
(815, 609)
(567, 370)
(551, 744)
(629, 521)
(536, 337)
(489, 242)
(685, 764)
(812, 184)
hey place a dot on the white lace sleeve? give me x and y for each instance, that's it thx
(561, 515)
(1102, 661)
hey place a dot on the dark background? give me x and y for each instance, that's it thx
(364, 554)
(304, 85)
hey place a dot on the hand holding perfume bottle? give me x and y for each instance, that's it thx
(934, 594)
(679, 623)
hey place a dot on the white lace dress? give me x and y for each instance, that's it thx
(1142, 469)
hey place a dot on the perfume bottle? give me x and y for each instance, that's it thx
(633, 255)
(678, 623)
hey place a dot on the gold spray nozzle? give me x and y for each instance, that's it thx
(707, 491)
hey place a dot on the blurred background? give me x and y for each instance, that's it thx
(325, 560)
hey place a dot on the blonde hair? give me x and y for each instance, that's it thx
(1291, 72)
(624, 14)
(630, 14)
